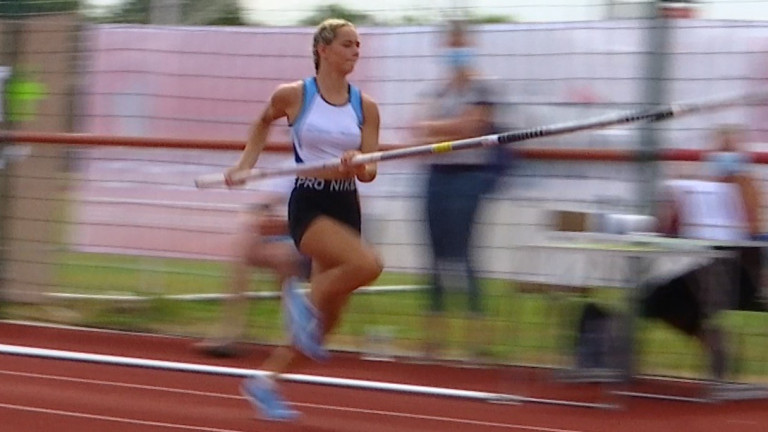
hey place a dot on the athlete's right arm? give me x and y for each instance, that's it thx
(284, 102)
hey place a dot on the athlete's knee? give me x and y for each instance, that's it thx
(378, 265)
(368, 267)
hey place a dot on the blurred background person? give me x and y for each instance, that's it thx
(462, 107)
(722, 206)
(731, 164)
(262, 242)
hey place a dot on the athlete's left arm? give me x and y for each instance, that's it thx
(369, 138)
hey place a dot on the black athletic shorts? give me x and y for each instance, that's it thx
(677, 303)
(682, 302)
(312, 197)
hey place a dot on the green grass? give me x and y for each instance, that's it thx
(100, 273)
(523, 327)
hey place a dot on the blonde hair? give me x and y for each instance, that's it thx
(325, 34)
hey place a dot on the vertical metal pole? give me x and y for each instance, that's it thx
(658, 35)
(655, 94)
(75, 70)
(8, 58)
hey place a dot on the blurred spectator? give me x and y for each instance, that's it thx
(460, 108)
(730, 164)
(723, 208)
(262, 242)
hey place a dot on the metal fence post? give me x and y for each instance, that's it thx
(11, 29)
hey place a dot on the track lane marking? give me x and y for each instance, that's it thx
(111, 418)
(299, 404)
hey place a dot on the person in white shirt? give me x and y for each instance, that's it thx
(723, 208)
(330, 119)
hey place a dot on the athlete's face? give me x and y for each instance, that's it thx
(343, 52)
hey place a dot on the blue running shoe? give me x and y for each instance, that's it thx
(261, 393)
(303, 322)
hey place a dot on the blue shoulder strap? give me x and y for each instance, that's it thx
(310, 91)
(356, 100)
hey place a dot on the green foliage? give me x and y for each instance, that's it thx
(414, 20)
(337, 11)
(361, 18)
(21, 8)
(130, 12)
(22, 93)
(193, 12)
(491, 19)
(229, 15)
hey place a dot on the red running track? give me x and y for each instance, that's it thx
(39, 394)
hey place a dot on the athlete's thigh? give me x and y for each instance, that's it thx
(330, 243)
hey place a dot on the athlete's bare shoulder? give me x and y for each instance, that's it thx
(285, 100)
(288, 93)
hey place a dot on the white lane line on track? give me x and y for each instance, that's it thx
(119, 384)
(300, 404)
(440, 418)
(111, 419)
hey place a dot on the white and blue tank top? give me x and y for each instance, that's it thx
(325, 131)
